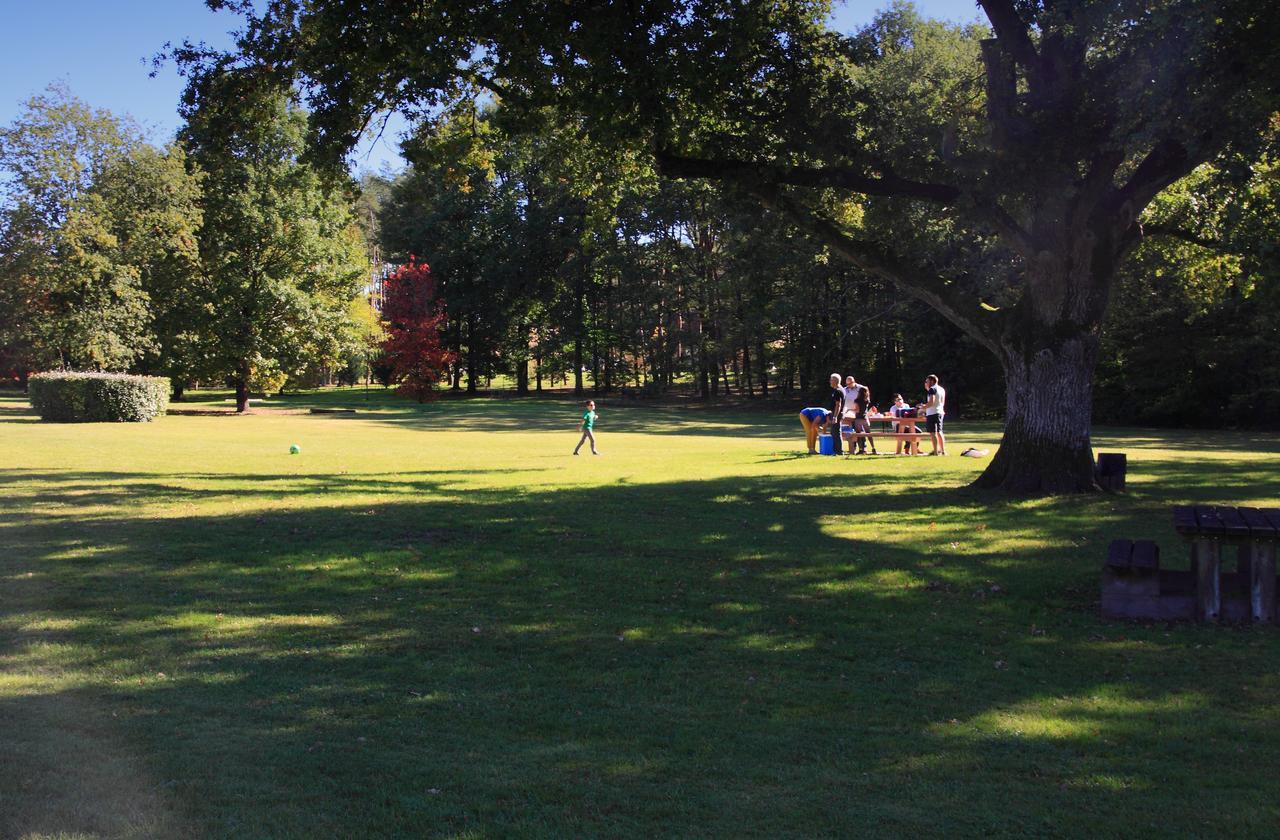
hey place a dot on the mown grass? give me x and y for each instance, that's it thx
(434, 621)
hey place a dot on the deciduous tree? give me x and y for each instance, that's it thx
(280, 252)
(412, 318)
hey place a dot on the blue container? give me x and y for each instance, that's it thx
(825, 445)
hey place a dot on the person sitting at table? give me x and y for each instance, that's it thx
(814, 419)
(900, 409)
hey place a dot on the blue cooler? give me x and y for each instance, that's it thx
(826, 446)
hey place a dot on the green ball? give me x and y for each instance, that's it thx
(295, 449)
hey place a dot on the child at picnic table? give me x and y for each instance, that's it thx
(588, 423)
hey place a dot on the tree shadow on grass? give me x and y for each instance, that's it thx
(733, 656)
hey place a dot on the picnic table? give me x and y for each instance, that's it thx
(914, 422)
(1254, 532)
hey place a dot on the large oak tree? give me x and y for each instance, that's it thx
(1004, 172)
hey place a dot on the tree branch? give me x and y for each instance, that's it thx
(1172, 232)
(750, 174)
(1167, 161)
(885, 184)
(925, 287)
(1011, 30)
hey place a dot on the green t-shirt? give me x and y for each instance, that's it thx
(588, 420)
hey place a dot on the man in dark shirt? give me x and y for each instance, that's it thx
(835, 403)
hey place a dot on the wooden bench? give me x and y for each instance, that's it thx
(1131, 582)
(1134, 585)
(1254, 532)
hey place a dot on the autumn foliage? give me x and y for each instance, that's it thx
(412, 317)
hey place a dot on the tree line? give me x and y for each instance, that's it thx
(222, 257)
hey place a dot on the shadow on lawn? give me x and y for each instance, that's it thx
(727, 656)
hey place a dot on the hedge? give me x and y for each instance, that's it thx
(71, 397)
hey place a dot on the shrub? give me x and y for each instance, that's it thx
(71, 397)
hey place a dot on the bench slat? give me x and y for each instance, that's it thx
(1258, 523)
(1184, 520)
(1146, 555)
(1273, 516)
(1233, 522)
(1119, 554)
(1210, 522)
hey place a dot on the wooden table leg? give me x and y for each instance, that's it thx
(1207, 559)
(1262, 582)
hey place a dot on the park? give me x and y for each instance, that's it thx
(421, 626)
(547, 478)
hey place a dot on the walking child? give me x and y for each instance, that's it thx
(588, 423)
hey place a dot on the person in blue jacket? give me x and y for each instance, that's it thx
(814, 420)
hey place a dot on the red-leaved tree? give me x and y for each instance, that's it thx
(412, 316)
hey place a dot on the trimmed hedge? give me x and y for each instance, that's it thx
(71, 397)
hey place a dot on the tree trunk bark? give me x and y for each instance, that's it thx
(473, 357)
(522, 376)
(242, 389)
(763, 360)
(578, 388)
(1046, 448)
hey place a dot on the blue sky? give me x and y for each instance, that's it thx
(102, 50)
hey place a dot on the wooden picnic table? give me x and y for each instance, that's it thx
(1254, 531)
(889, 418)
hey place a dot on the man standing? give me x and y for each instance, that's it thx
(935, 408)
(835, 404)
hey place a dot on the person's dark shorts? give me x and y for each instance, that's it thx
(933, 423)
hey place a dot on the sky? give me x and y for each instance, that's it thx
(102, 50)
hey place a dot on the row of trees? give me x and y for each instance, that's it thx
(556, 259)
(223, 256)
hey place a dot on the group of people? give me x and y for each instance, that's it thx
(850, 407)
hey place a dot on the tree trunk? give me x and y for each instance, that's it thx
(473, 357)
(242, 389)
(762, 357)
(578, 388)
(522, 376)
(1046, 447)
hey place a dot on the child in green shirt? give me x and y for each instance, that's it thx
(588, 423)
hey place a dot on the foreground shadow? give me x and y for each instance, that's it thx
(725, 657)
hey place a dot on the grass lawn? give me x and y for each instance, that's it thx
(434, 621)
